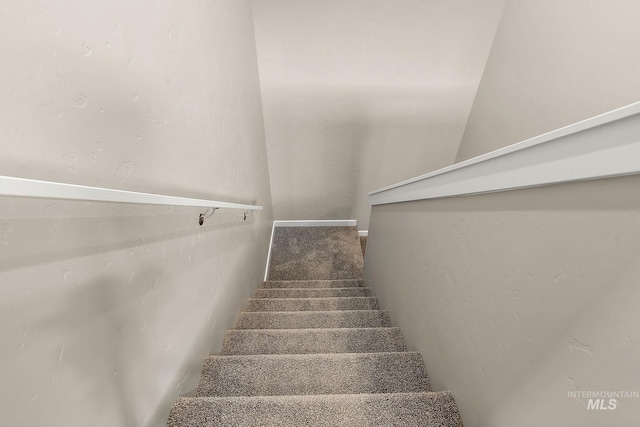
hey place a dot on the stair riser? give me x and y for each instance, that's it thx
(312, 304)
(312, 284)
(313, 374)
(313, 293)
(314, 352)
(371, 410)
(305, 341)
(313, 319)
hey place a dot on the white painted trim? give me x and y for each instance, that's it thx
(317, 223)
(266, 269)
(604, 146)
(21, 187)
(363, 233)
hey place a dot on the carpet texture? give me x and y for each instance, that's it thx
(313, 319)
(312, 304)
(313, 348)
(295, 374)
(300, 341)
(356, 410)
(313, 293)
(307, 253)
(347, 283)
(363, 244)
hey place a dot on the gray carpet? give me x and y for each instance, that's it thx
(356, 410)
(312, 293)
(307, 253)
(313, 319)
(346, 283)
(295, 374)
(363, 244)
(312, 304)
(319, 340)
(312, 348)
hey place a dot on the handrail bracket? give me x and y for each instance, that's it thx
(206, 214)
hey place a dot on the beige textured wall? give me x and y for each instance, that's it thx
(554, 63)
(515, 299)
(107, 311)
(359, 94)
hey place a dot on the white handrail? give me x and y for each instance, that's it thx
(21, 187)
(603, 146)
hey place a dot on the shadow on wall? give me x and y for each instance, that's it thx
(223, 310)
(328, 147)
(530, 294)
(316, 166)
(603, 195)
(597, 360)
(94, 314)
(99, 326)
(73, 237)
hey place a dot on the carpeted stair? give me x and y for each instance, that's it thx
(314, 351)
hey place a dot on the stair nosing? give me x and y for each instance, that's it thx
(315, 299)
(314, 289)
(311, 355)
(312, 329)
(316, 280)
(311, 396)
(309, 311)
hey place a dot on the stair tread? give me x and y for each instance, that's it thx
(312, 319)
(313, 292)
(286, 374)
(317, 351)
(312, 304)
(306, 341)
(428, 409)
(347, 283)
(315, 253)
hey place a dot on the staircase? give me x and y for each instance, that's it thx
(316, 351)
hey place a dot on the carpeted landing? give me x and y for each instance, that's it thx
(313, 348)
